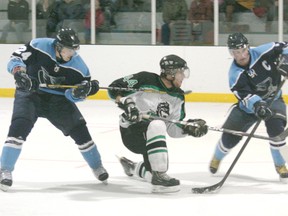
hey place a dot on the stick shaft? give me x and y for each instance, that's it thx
(233, 132)
(112, 88)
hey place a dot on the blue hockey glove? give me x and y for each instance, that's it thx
(85, 89)
(195, 127)
(24, 82)
(131, 112)
(262, 111)
(282, 66)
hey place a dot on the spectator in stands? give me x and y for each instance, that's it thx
(201, 16)
(18, 13)
(43, 9)
(265, 8)
(99, 21)
(232, 6)
(109, 8)
(66, 13)
(173, 10)
(131, 5)
(159, 5)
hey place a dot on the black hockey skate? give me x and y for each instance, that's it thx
(101, 174)
(5, 180)
(128, 165)
(162, 183)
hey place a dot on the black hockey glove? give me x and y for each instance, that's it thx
(282, 66)
(262, 111)
(163, 109)
(24, 82)
(131, 112)
(85, 89)
(195, 127)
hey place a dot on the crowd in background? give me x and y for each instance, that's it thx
(194, 17)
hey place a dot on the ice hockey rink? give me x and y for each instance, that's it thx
(51, 177)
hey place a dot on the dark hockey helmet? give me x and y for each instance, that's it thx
(170, 64)
(237, 40)
(67, 37)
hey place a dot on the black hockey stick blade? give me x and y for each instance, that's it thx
(208, 189)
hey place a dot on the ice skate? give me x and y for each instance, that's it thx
(162, 183)
(5, 180)
(283, 173)
(101, 174)
(128, 165)
(214, 165)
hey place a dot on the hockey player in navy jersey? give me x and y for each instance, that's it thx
(49, 61)
(254, 76)
(148, 137)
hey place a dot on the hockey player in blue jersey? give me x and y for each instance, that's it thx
(146, 137)
(254, 76)
(49, 61)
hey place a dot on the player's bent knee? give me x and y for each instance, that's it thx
(20, 127)
(80, 134)
(157, 125)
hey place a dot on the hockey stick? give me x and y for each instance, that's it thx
(217, 186)
(280, 137)
(43, 85)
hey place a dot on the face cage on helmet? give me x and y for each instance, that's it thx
(185, 70)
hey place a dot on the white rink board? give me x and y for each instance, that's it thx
(208, 65)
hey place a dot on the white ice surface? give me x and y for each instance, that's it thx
(51, 177)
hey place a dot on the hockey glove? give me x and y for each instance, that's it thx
(195, 127)
(85, 89)
(131, 112)
(24, 82)
(262, 110)
(163, 109)
(282, 66)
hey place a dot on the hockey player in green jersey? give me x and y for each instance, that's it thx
(148, 137)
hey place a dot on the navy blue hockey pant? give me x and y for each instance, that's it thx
(241, 121)
(62, 113)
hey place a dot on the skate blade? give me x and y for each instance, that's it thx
(105, 182)
(284, 180)
(162, 189)
(4, 188)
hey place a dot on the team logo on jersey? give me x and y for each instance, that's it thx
(163, 109)
(266, 65)
(251, 73)
(56, 68)
(45, 78)
(130, 82)
(267, 87)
